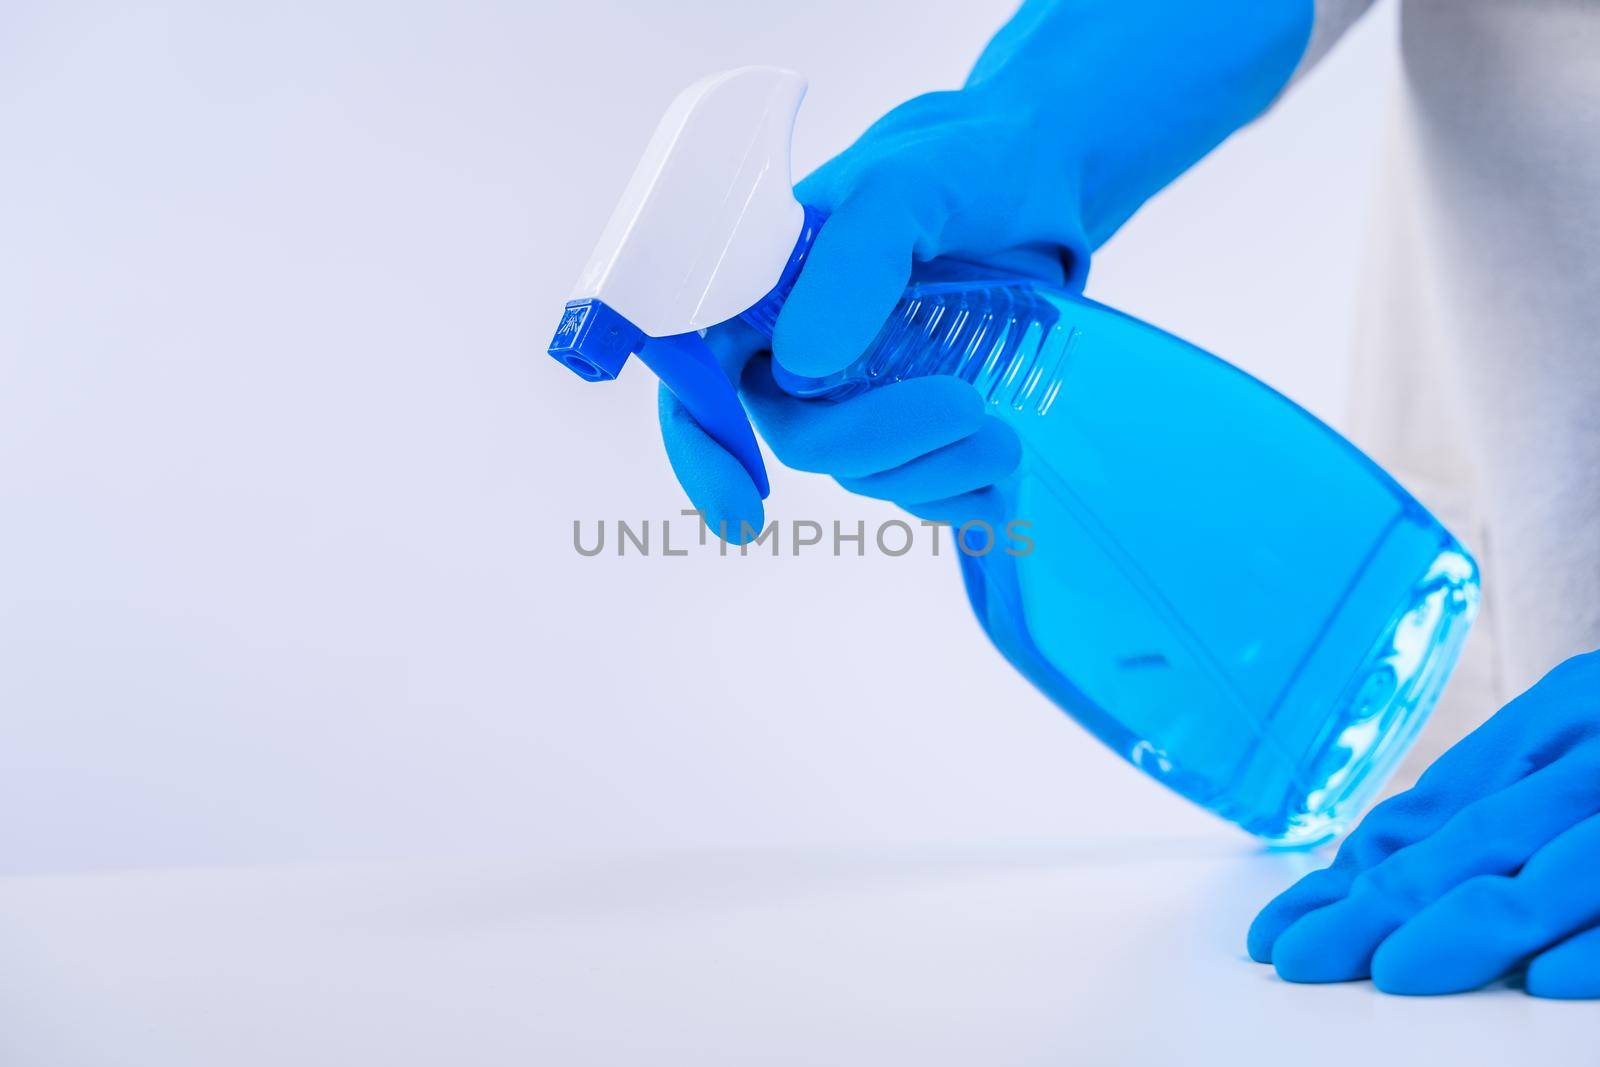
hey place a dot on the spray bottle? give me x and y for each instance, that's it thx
(1222, 589)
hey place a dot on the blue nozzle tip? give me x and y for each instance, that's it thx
(594, 341)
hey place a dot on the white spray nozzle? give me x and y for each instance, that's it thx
(709, 218)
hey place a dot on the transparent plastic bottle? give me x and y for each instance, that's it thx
(1222, 589)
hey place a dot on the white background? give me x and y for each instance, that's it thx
(287, 484)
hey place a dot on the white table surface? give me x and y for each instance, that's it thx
(1089, 952)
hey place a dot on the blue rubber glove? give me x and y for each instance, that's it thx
(1076, 113)
(1491, 861)
(926, 443)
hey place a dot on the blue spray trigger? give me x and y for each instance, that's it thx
(685, 365)
(594, 341)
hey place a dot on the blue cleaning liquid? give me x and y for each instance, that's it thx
(1222, 589)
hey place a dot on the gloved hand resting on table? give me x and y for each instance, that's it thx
(1490, 862)
(1076, 113)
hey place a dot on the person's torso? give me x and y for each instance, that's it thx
(1478, 374)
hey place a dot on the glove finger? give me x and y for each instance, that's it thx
(716, 482)
(854, 275)
(1486, 760)
(980, 506)
(1316, 890)
(734, 343)
(872, 432)
(1570, 971)
(1495, 835)
(1486, 926)
(972, 463)
(1398, 821)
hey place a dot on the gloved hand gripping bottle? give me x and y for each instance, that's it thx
(1221, 589)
